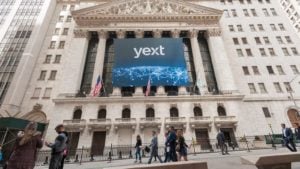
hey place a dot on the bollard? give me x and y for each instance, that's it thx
(92, 157)
(120, 155)
(46, 160)
(130, 154)
(76, 158)
(143, 153)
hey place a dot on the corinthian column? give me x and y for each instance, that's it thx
(98, 68)
(220, 60)
(160, 89)
(139, 90)
(117, 90)
(181, 89)
(198, 62)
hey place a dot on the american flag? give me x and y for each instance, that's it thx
(148, 89)
(97, 87)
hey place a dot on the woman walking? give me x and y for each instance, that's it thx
(138, 147)
(181, 146)
(26, 146)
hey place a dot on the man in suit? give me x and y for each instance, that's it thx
(222, 142)
(288, 139)
(171, 142)
(154, 148)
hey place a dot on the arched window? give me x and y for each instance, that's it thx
(221, 111)
(174, 112)
(126, 113)
(197, 111)
(150, 113)
(102, 114)
(77, 114)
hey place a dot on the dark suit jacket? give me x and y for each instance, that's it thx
(221, 138)
(288, 134)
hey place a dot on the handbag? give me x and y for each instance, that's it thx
(147, 149)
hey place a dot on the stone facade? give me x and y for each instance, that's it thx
(244, 114)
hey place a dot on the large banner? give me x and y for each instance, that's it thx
(161, 60)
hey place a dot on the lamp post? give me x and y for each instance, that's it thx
(272, 138)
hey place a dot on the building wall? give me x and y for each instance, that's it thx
(245, 106)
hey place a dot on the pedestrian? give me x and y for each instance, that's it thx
(57, 147)
(1, 156)
(154, 148)
(288, 138)
(297, 131)
(65, 152)
(167, 149)
(182, 146)
(25, 149)
(138, 147)
(172, 143)
(222, 142)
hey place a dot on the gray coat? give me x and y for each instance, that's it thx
(60, 144)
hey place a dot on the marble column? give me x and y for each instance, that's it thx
(181, 89)
(99, 62)
(76, 56)
(198, 63)
(220, 60)
(160, 89)
(116, 90)
(139, 90)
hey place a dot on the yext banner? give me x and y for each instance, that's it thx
(161, 60)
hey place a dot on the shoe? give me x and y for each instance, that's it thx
(140, 162)
(135, 161)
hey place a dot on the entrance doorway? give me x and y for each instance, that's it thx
(229, 136)
(73, 142)
(98, 143)
(202, 139)
(293, 117)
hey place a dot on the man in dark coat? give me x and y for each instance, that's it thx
(65, 153)
(297, 131)
(222, 142)
(57, 147)
(288, 138)
(171, 141)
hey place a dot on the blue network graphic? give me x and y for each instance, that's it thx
(159, 75)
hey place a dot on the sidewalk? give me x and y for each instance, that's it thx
(214, 160)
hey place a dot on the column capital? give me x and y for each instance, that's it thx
(213, 32)
(157, 33)
(78, 33)
(193, 33)
(175, 33)
(102, 34)
(139, 33)
(120, 34)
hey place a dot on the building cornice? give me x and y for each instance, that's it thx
(156, 99)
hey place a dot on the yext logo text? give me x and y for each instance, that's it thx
(147, 51)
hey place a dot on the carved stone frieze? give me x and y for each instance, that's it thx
(213, 32)
(145, 11)
(78, 33)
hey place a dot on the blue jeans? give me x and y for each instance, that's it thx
(138, 153)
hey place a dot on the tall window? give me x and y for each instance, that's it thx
(174, 112)
(277, 87)
(266, 112)
(150, 112)
(252, 88)
(207, 65)
(102, 114)
(89, 64)
(198, 111)
(126, 113)
(42, 75)
(77, 114)
(221, 111)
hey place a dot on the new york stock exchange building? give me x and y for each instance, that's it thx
(198, 65)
